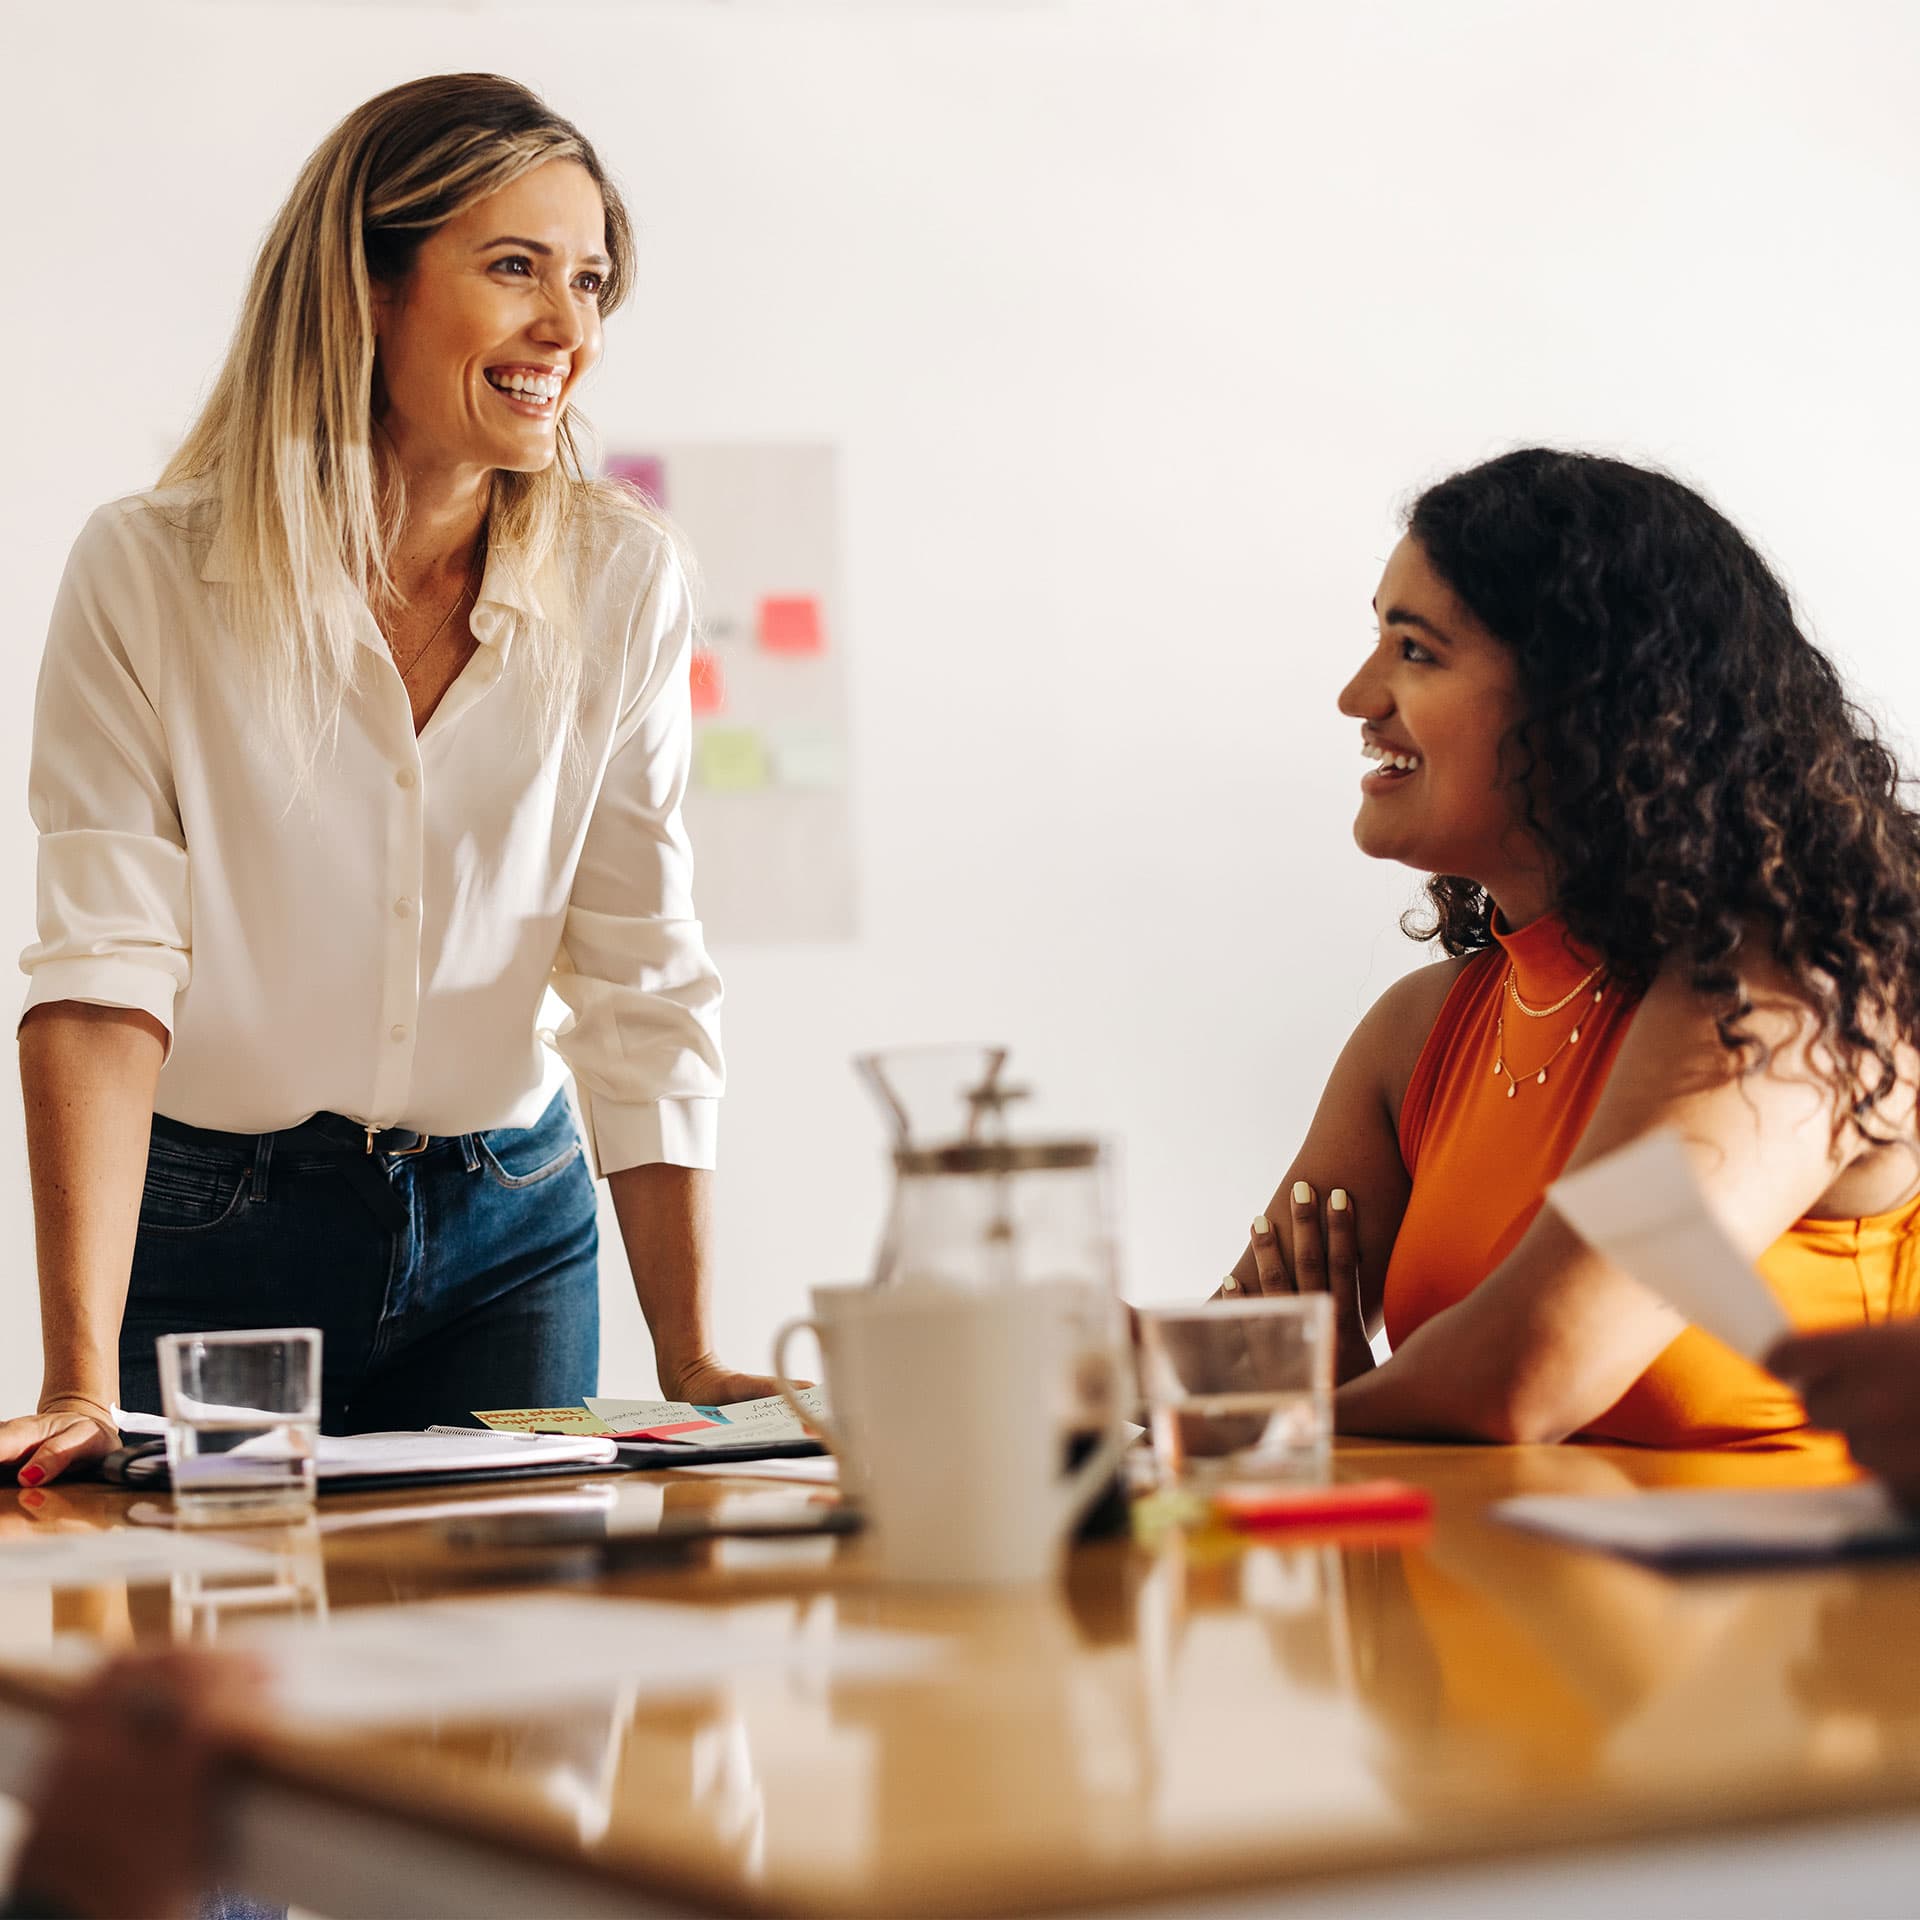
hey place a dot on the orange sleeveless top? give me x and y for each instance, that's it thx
(1481, 1160)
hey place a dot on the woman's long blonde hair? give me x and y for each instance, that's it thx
(284, 446)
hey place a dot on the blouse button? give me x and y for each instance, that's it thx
(396, 1033)
(404, 778)
(402, 908)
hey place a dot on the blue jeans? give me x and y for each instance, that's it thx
(460, 1277)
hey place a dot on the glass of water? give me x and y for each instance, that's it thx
(1239, 1389)
(243, 1424)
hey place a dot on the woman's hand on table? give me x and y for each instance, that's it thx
(68, 1431)
(1865, 1383)
(706, 1383)
(1326, 1259)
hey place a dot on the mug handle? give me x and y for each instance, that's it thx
(789, 1393)
(1079, 1489)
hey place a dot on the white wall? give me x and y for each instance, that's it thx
(1135, 321)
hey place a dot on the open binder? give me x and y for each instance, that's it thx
(447, 1456)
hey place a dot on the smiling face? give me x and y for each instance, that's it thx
(481, 346)
(1437, 697)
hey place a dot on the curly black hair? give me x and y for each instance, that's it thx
(1689, 760)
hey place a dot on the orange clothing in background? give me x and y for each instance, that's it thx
(1481, 1161)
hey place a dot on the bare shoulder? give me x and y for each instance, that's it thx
(1396, 1026)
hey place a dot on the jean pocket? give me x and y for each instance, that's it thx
(183, 1195)
(523, 1157)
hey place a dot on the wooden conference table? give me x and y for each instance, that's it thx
(1177, 1724)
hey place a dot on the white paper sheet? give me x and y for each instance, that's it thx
(437, 1450)
(768, 1419)
(818, 1470)
(1643, 1208)
(474, 1659)
(1709, 1526)
(120, 1553)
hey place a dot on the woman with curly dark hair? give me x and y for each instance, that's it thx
(1678, 886)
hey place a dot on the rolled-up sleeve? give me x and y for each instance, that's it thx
(114, 902)
(643, 1029)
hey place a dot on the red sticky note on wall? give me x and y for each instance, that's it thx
(647, 471)
(709, 682)
(792, 624)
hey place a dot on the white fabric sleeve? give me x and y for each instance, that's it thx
(114, 904)
(642, 1034)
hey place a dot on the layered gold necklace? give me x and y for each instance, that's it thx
(1538, 1075)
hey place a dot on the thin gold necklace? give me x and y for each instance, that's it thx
(466, 587)
(1566, 999)
(1537, 1075)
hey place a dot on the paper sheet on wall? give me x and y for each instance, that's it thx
(1644, 1209)
(768, 809)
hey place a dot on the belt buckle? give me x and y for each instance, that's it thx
(421, 1143)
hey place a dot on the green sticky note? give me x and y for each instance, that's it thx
(730, 759)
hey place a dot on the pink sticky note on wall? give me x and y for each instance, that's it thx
(647, 471)
(709, 680)
(792, 624)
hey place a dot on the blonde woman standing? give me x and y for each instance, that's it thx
(365, 728)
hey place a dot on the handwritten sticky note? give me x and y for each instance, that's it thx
(709, 681)
(543, 1420)
(1643, 1208)
(808, 757)
(730, 759)
(646, 471)
(791, 624)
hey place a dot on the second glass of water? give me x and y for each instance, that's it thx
(1239, 1389)
(243, 1424)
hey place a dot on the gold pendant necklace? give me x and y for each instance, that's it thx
(1537, 1075)
(466, 587)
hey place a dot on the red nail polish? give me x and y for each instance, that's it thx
(32, 1476)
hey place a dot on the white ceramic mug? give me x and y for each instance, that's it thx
(945, 1416)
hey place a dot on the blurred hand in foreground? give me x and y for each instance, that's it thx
(1864, 1382)
(141, 1747)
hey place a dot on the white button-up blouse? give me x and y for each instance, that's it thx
(379, 941)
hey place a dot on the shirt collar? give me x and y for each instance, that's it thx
(505, 589)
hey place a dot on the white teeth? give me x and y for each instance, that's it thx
(1400, 762)
(530, 386)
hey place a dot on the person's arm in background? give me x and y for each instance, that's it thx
(1556, 1334)
(87, 1075)
(1353, 1146)
(114, 951)
(644, 1037)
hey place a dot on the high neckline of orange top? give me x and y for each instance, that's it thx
(1546, 960)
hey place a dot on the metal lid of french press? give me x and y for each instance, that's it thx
(974, 1153)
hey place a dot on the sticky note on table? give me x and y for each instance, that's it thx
(647, 471)
(542, 1420)
(1644, 1209)
(791, 623)
(730, 759)
(709, 681)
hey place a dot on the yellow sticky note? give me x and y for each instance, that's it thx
(542, 1420)
(730, 759)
